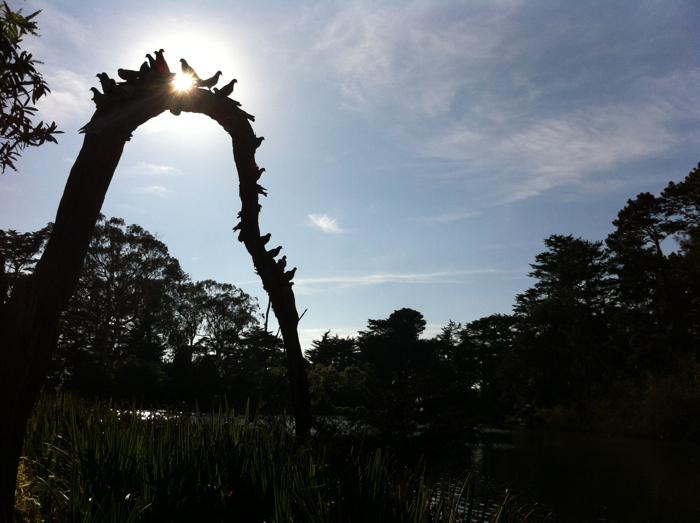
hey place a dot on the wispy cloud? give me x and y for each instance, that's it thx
(151, 169)
(382, 278)
(533, 116)
(157, 190)
(324, 222)
(69, 99)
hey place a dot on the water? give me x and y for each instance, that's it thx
(585, 478)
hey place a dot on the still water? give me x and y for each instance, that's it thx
(584, 478)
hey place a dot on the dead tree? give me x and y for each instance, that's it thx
(29, 320)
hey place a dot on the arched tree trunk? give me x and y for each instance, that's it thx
(29, 320)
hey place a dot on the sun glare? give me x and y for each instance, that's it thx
(183, 82)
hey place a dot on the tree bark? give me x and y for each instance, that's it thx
(29, 320)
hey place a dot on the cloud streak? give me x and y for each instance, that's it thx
(157, 190)
(151, 169)
(383, 278)
(324, 222)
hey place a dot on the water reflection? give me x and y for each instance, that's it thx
(588, 478)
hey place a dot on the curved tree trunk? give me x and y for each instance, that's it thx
(29, 320)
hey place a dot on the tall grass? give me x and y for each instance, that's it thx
(97, 463)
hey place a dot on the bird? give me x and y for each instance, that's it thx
(282, 263)
(151, 62)
(258, 141)
(274, 252)
(290, 274)
(226, 90)
(161, 64)
(209, 82)
(128, 75)
(259, 174)
(188, 70)
(145, 68)
(108, 84)
(98, 97)
(266, 238)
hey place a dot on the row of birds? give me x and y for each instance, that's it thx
(113, 90)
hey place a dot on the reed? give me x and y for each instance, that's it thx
(98, 462)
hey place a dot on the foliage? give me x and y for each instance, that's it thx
(19, 253)
(104, 463)
(20, 85)
(333, 351)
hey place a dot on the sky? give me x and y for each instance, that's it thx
(417, 154)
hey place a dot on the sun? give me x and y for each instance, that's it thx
(183, 82)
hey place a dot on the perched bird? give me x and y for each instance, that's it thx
(151, 62)
(258, 141)
(161, 64)
(265, 238)
(274, 252)
(108, 84)
(188, 70)
(226, 90)
(98, 97)
(145, 68)
(290, 274)
(209, 82)
(282, 263)
(128, 75)
(260, 171)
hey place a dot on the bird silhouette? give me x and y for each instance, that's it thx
(129, 75)
(258, 141)
(97, 97)
(161, 64)
(108, 84)
(274, 252)
(282, 263)
(290, 274)
(226, 90)
(145, 68)
(266, 238)
(188, 70)
(259, 173)
(151, 62)
(209, 82)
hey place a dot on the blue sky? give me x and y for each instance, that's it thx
(416, 153)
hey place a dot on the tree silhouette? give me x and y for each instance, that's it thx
(29, 319)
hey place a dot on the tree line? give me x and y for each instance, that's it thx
(607, 326)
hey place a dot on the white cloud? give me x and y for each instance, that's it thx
(382, 278)
(324, 222)
(69, 99)
(151, 169)
(157, 190)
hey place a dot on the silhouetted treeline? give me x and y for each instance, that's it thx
(137, 327)
(607, 338)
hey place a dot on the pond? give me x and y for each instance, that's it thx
(584, 478)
